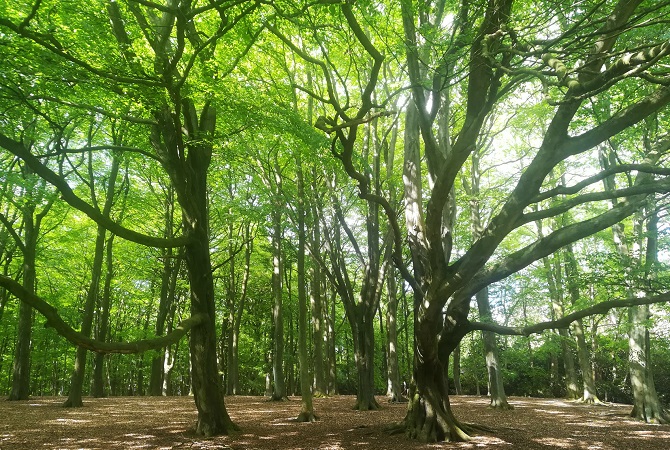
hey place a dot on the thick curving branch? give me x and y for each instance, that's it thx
(564, 322)
(62, 328)
(18, 149)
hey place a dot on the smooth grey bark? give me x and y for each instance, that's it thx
(307, 406)
(589, 394)
(646, 404)
(278, 380)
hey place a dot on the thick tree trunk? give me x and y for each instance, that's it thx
(364, 344)
(429, 417)
(189, 177)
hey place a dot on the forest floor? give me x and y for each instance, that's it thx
(166, 423)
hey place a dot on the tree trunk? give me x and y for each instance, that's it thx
(279, 386)
(590, 394)
(98, 387)
(646, 405)
(364, 344)
(554, 282)
(457, 370)
(429, 417)
(168, 285)
(189, 177)
(21, 369)
(307, 407)
(77, 380)
(394, 389)
(496, 388)
(74, 399)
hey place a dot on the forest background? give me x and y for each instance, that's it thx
(356, 197)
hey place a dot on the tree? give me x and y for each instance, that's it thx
(146, 52)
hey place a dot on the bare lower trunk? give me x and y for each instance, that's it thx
(364, 351)
(496, 388)
(646, 405)
(429, 417)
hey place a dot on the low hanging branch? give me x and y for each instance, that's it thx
(54, 320)
(564, 322)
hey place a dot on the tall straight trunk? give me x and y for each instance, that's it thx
(21, 368)
(98, 386)
(457, 370)
(189, 177)
(319, 338)
(496, 388)
(394, 388)
(232, 360)
(490, 340)
(279, 386)
(590, 394)
(77, 379)
(307, 407)
(646, 404)
(331, 361)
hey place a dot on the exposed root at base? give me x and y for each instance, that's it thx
(595, 401)
(307, 417)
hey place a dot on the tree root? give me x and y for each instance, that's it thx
(595, 401)
(307, 417)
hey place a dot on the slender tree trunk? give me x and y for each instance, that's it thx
(394, 388)
(21, 369)
(316, 303)
(583, 354)
(457, 370)
(307, 407)
(496, 389)
(98, 387)
(279, 386)
(170, 266)
(646, 405)
(331, 361)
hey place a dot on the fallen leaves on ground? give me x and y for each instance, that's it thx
(167, 423)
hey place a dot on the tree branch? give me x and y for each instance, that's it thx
(564, 322)
(62, 328)
(73, 200)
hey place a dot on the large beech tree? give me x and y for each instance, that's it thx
(463, 61)
(134, 61)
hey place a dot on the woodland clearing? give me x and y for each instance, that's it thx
(166, 423)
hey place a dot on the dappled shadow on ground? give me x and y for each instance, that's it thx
(166, 423)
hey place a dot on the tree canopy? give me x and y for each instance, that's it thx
(379, 179)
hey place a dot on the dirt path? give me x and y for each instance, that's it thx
(164, 423)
